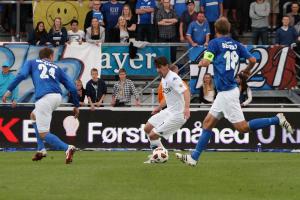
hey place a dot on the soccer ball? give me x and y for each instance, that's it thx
(160, 155)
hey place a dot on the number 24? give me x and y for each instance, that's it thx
(44, 69)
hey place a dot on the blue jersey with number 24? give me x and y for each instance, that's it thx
(46, 78)
(227, 53)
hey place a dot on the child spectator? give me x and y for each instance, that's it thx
(95, 90)
(80, 91)
(123, 90)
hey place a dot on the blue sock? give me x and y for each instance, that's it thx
(55, 142)
(40, 143)
(202, 143)
(259, 123)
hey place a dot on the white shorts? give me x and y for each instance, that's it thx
(166, 123)
(227, 104)
(43, 111)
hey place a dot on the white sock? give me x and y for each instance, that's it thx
(155, 143)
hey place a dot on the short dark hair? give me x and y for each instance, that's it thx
(160, 61)
(45, 53)
(94, 70)
(74, 21)
(122, 70)
(222, 26)
(294, 2)
(200, 12)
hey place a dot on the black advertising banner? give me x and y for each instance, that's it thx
(123, 128)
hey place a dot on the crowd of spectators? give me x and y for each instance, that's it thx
(161, 21)
(190, 21)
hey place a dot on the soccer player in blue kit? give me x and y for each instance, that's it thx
(225, 54)
(46, 77)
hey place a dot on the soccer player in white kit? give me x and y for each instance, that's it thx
(166, 122)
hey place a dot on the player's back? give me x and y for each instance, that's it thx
(46, 77)
(227, 53)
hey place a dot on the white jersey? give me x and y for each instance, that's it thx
(76, 37)
(173, 88)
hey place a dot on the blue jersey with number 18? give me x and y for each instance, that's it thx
(46, 78)
(226, 55)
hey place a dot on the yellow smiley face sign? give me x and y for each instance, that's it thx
(47, 11)
(65, 10)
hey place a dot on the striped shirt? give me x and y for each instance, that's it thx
(122, 91)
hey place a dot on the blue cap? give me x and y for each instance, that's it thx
(6, 64)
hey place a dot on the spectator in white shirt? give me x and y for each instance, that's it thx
(75, 35)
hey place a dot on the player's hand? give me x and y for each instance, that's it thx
(92, 107)
(113, 102)
(14, 104)
(200, 63)
(137, 103)
(98, 104)
(194, 44)
(187, 113)
(4, 98)
(156, 110)
(245, 74)
(76, 112)
(182, 39)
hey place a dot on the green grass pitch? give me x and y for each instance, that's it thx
(122, 175)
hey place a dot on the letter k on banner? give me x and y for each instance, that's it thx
(9, 135)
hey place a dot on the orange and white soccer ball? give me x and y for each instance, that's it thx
(160, 155)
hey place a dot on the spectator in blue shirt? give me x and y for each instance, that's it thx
(198, 32)
(6, 77)
(111, 13)
(145, 23)
(94, 13)
(213, 10)
(179, 6)
(286, 35)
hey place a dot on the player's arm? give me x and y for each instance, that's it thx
(22, 75)
(207, 59)
(180, 87)
(187, 99)
(209, 54)
(104, 91)
(251, 61)
(161, 105)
